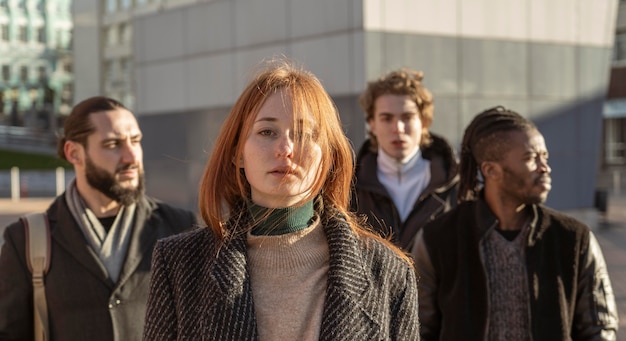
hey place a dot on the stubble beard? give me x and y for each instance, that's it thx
(518, 187)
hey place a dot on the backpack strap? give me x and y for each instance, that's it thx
(38, 259)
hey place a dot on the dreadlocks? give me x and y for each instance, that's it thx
(483, 141)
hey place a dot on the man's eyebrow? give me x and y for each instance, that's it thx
(121, 137)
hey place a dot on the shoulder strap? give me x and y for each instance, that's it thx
(38, 259)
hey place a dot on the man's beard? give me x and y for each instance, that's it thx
(106, 183)
(518, 186)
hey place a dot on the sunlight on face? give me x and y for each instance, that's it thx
(280, 162)
(526, 173)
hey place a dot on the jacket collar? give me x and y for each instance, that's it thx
(443, 167)
(487, 220)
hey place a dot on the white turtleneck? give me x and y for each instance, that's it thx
(404, 179)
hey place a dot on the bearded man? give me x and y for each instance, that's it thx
(103, 230)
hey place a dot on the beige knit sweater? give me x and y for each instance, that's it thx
(289, 277)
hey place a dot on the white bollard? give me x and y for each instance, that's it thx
(60, 180)
(15, 184)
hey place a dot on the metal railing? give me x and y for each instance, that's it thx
(18, 184)
(27, 139)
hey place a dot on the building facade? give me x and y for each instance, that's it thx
(190, 59)
(36, 83)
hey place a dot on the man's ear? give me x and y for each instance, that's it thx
(490, 170)
(73, 152)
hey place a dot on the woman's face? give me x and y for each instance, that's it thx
(280, 164)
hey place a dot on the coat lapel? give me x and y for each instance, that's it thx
(143, 239)
(229, 294)
(68, 235)
(348, 313)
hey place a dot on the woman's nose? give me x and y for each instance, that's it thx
(285, 147)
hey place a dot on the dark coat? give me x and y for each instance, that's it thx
(201, 289)
(83, 303)
(570, 292)
(373, 200)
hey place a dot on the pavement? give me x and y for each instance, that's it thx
(609, 228)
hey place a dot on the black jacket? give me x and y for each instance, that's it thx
(570, 292)
(201, 288)
(83, 303)
(373, 200)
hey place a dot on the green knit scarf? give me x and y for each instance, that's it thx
(277, 221)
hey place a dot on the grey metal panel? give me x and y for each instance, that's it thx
(447, 120)
(552, 71)
(493, 68)
(176, 147)
(594, 66)
(352, 119)
(438, 57)
(481, 74)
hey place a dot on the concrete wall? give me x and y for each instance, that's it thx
(87, 51)
(547, 60)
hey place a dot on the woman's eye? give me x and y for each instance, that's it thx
(266, 132)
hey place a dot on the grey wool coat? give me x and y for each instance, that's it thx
(83, 302)
(201, 288)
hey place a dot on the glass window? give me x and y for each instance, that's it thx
(43, 73)
(108, 71)
(6, 73)
(4, 4)
(22, 4)
(121, 33)
(41, 34)
(615, 139)
(111, 5)
(59, 38)
(126, 4)
(111, 38)
(23, 33)
(125, 65)
(24, 73)
(5, 32)
(619, 49)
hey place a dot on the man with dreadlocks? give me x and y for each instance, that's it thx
(406, 175)
(501, 266)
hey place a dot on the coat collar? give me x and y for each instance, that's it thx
(68, 235)
(349, 293)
